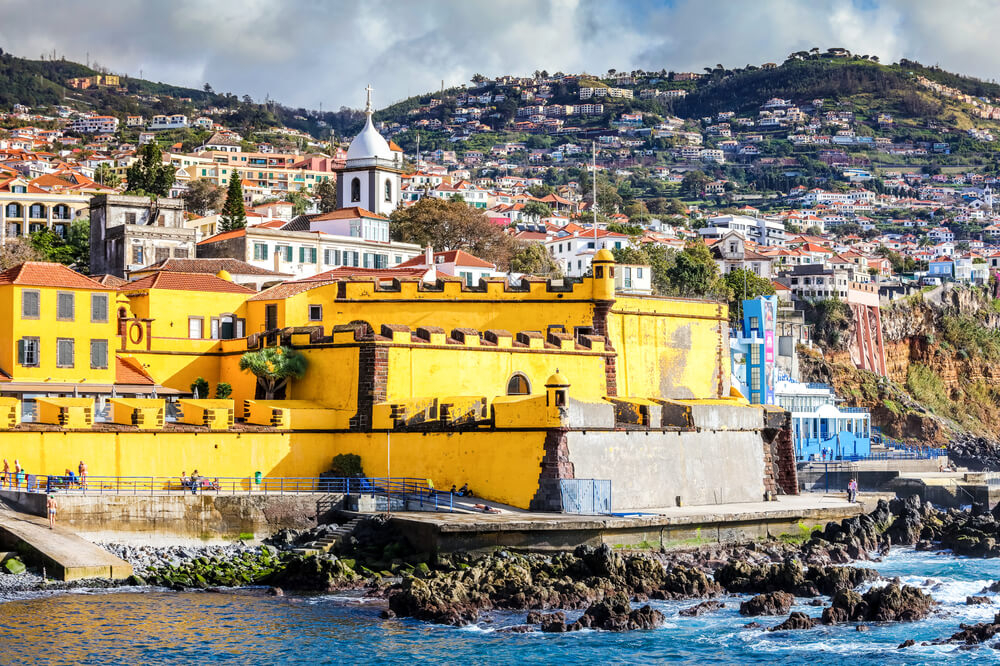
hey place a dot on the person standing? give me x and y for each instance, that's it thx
(17, 473)
(6, 474)
(83, 474)
(50, 504)
(852, 490)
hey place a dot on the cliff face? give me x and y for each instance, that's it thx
(943, 382)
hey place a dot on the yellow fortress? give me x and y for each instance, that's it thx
(515, 390)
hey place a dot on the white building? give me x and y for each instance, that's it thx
(95, 125)
(372, 179)
(757, 229)
(161, 122)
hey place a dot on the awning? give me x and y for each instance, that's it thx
(53, 387)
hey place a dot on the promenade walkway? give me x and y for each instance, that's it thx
(64, 555)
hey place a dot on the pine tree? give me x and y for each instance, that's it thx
(234, 215)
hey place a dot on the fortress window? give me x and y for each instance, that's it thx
(599, 272)
(356, 189)
(315, 313)
(388, 190)
(518, 385)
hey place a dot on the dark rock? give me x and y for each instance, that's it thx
(615, 614)
(275, 592)
(909, 642)
(518, 629)
(796, 621)
(862, 628)
(702, 608)
(752, 625)
(975, 601)
(879, 604)
(974, 634)
(387, 614)
(534, 617)
(770, 603)
(554, 622)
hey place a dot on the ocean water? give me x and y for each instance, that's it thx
(145, 626)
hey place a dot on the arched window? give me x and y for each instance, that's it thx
(518, 385)
(13, 210)
(388, 189)
(356, 189)
(61, 212)
(37, 211)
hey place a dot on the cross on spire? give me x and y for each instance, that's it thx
(368, 104)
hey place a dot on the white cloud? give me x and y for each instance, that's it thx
(304, 53)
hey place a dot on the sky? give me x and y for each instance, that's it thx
(314, 53)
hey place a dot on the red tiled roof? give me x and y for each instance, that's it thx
(185, 282)
(225, 235)
(208, 266)
(109, 280)
(45, 274)
(458, 257)
(347, 214)
(347, 272)
(288, 289)
(129, 371)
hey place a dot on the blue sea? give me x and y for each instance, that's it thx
(148, 626)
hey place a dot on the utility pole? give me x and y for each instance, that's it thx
(418, 148)
(593, 147)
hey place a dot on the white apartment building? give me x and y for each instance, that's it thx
(757, 229)
(161, 122)
(95, 125)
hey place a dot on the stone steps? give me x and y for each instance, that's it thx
(326, 542)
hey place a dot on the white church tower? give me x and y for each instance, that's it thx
(372, 177)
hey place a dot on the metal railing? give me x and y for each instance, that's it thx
(411, 489)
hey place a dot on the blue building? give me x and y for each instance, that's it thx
(818, 425)
(752, 348)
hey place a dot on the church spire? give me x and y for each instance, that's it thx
(368, 103)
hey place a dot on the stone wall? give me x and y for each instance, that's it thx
(652, 469)
(183, 515)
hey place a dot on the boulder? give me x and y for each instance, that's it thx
(976, 601)
(14, 566)
(796, 621)
(701, 609)
(770, 603)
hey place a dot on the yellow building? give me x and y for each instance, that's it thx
(520, 391)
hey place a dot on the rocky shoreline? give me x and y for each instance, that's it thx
(609, 586)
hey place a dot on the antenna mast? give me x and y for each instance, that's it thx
(593, 146)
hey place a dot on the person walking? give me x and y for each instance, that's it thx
(50, 504)
(852, 491)
(6, 474)
(83, 474)
(17, 473)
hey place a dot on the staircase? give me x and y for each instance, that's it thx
(326, 542)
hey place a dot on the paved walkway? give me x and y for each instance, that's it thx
(64, 555)
(807, 505)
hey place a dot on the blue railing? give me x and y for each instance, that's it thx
(408, 488)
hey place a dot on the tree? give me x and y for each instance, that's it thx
(534, 259)
(200, 387)
(17, 251)
(73, 250)
(223, 390)
(695, 273)
(234, 214)
(106, 176)
(744, 284)
(273, 367)
(608, 199)
(540, 190)
(300, 202)
(536, 210)
(452, 225)
(203, 197)
(693, 183)
(659, 258)
(327, 194)
(149, 175)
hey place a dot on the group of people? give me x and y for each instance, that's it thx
(461, 492)
(18, 477)
(196, 481)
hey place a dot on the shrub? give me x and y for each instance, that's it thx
(347, 465)
(223, 390)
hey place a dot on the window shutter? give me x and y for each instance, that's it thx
(20, 352)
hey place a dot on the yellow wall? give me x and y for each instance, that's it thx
(170, 309)
(436, 372)
(48, 329)
(671, 348)
(500, 466)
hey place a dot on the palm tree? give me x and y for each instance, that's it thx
(273, 367)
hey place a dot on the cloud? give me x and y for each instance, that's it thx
(307, 53)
